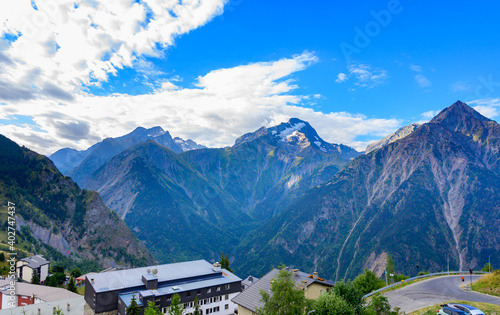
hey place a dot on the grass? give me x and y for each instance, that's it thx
(489, 309)
(488, 284)
(80, 290)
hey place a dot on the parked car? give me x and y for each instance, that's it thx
(471, 310)
(446, 310)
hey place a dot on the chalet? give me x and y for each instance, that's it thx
(249, 300)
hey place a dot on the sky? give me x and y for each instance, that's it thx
(75, 72)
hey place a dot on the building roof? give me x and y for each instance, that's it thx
(250, 298)
(76, 307)
(129, 278)
(35, 261)
(44, 293)
(249, 281)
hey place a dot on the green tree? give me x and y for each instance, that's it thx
(76, 272)
(71, 284)
(285, 297)
(487, 268)
(368, 282)
(197, 307)
(50, 281)
(133, 308)
(379, 305)
(332, 304)
(389, 267)
(224, 262)
(176, 308)
(351, 294)
(2, 256)
(151, 309)
(35, 279)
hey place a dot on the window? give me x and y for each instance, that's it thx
(198, 292)
(188, 293)
(209, 290)
(227, 297)
(226, 307)
(228, 286)
(216, 309)
(218, 288)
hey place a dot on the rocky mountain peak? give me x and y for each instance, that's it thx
(459, 117)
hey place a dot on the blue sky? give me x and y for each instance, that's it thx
(356, 70)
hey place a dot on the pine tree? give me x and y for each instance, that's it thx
(224, 262)
(71, 284)
(133, 308)
(35, 279)
(390, 266)
(176, 308)
(151, 309)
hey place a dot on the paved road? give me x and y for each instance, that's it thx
(434, 291)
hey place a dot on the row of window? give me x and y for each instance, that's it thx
(207, 311)
(209, 290)
(207, 301)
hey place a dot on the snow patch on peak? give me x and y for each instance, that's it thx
(320, 146)
(291, 131)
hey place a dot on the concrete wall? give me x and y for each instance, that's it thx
(315, 290)
(44, 272)
(244, 311)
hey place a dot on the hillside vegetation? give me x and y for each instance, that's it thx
(488, 284)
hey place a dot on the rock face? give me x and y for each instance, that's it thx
(433, 193)
(399, 134)
(202, 202)
(61, 216)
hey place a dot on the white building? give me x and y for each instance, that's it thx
(26, 266)
(22, 294)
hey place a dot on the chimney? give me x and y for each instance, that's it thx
(92, 280)
(250, 279)
(315, 275)
(295, 272)
(54, 310)
(216, 267)
(39, 312)
(68, 307)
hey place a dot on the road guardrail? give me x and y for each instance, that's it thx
(446, 273)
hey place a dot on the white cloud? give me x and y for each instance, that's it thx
(341, 77)
(426, 116)
(489, 107)
(64, 44)
(460, 86)
(366, 76)
(225, 104)
(416, 68)
(422, 81)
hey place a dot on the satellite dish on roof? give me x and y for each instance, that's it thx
(155, 271)
(148, 270)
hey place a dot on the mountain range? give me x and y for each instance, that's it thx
(283, 195)
(61, 221)
(222, 194)
(432, 194)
